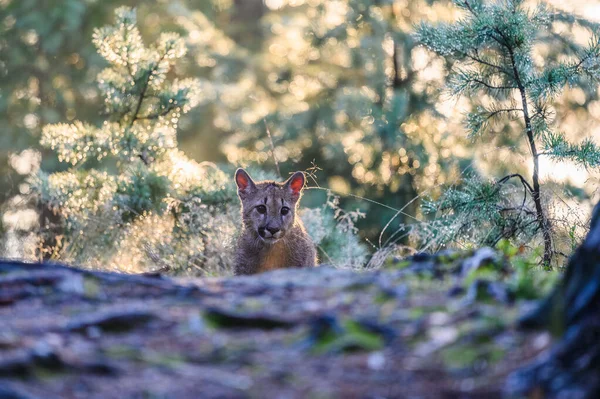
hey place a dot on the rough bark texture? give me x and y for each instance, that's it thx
(572, 312)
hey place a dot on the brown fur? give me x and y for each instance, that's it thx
(289, 245)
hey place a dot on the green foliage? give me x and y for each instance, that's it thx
(129, 198)
(348, 336)
(46, 62)
(586, 153)
(141, 193)
(479, 212)
(333, 83)
(526, 282)
(335, 234)
(494, 43)
(504, 274)
(493, 47)
(344, 85)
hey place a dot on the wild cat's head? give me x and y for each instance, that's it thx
(269, 208)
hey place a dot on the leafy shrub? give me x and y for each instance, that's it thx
(130, 198)
(335, 235)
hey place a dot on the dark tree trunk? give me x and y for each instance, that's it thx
(572, 311)
(536, 193)
(246, 18)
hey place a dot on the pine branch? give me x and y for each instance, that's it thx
(478, 122)
(480, 60)
(157, 115)
(144, 89)
(492, 87)
(467, 5)
(520, 177)
(470, 81)
(495, 41)
(586, 154)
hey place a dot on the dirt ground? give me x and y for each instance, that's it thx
(302, 333)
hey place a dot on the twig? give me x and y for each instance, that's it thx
(272, 148)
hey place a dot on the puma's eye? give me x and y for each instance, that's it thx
(285, 210)
(261, 209)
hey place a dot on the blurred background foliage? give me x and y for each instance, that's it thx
(340, 85)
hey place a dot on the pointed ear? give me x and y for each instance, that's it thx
(295, 184)
(244, 182)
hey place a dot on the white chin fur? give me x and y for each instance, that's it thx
(269, 240)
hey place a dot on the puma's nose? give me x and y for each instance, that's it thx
(272, 230)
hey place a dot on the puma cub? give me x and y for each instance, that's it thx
(272, 236)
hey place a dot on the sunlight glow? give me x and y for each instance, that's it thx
(274, 4)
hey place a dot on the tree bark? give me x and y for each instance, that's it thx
(541, 216)
(572, 311)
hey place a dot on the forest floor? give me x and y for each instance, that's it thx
(431, 327)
